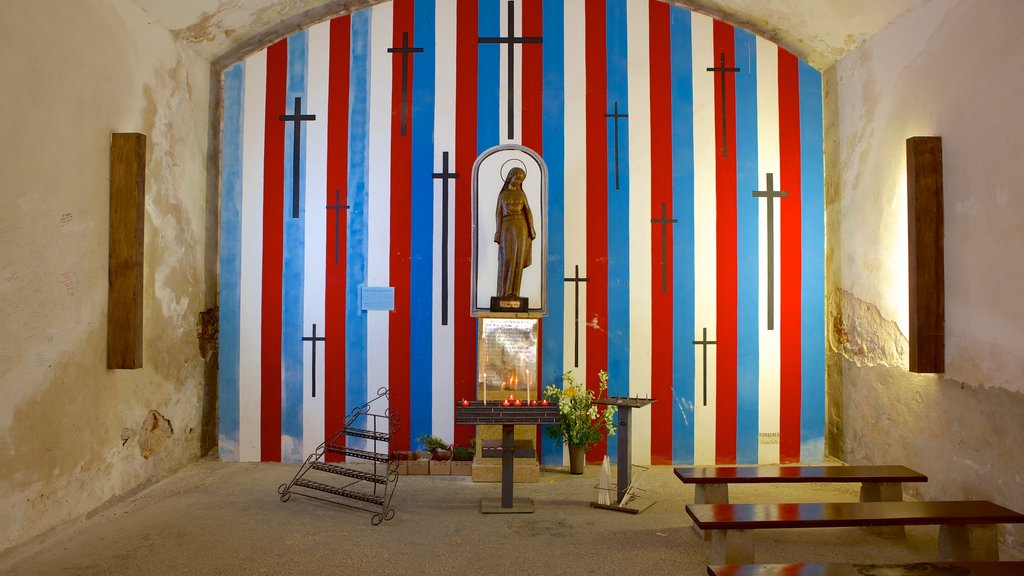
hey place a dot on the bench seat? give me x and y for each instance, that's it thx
(879, 483)
(789, 474)
(967, 533)
(915, 569)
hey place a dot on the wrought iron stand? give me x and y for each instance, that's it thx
(369, 475)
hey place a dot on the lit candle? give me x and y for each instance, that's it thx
(528, 385)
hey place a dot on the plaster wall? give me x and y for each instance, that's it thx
(73, 434)
(940, 70)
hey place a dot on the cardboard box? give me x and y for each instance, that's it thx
(419, 463)
(462, 467)
(441, 467)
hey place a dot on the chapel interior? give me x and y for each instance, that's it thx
(78, 436)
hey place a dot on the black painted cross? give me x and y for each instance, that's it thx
(615, 117)
(444, 175)
(510, 40)
(298, 117)
(576, 322)
(723, 69)
(770, 195)
(337, 207)
(405, 50)
(665, 221)
(703, 343)
(314, 339)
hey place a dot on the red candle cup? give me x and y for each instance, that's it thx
(518, 403)
(505, 403)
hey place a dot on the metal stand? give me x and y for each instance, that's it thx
(626, 499)
(508, 417)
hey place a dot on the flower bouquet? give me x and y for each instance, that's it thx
(580, 419)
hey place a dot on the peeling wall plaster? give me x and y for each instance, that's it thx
(97, 66)
(858, 332)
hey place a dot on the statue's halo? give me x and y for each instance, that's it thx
(515, 162)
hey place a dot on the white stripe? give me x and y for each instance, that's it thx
(768, 161)
(640, 348)
(251, 261)
(314, 275)
(443, 337)
(575, 186)
(378, 228)
(704, 241)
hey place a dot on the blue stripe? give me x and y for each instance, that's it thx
(489, 76)
(294, 258)
(747, 251)
(358, 198)
(618, 209)
(552, 326)
(812, 337)
(230, 261)
(421, 268)
(682, 240)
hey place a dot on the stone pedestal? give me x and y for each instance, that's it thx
(487, 462)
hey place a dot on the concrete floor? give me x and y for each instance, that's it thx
(226, 518)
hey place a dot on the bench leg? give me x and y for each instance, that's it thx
(709, 494)
(883, 492)
(732, 546)
(968, 543)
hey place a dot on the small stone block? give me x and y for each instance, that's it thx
(732, 546)
(709, 494)
(968, 543)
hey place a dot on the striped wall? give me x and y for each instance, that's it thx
(700, 290)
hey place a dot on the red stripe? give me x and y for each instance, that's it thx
(661, 194)
(465, 155)
(789, 285)
(725, 206)
(337, 180)
(401, 230)
(533, 75)
(273, 253)
(597, 203)
(533, 128)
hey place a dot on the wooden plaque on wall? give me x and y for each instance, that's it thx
(127, 234)
(926, 253)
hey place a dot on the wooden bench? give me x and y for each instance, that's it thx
(915, 569)
(878, 483)
(967, 528)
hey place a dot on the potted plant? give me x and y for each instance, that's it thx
(462, 461)
(440, 454)
(581, 421)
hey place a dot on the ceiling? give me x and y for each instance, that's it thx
(818, 31)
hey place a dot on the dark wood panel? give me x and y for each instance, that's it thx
(127, 234)
(926, 253)
(915, 569)
(795, 474)
(840, 514)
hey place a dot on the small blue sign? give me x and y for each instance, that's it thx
(378, 298)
